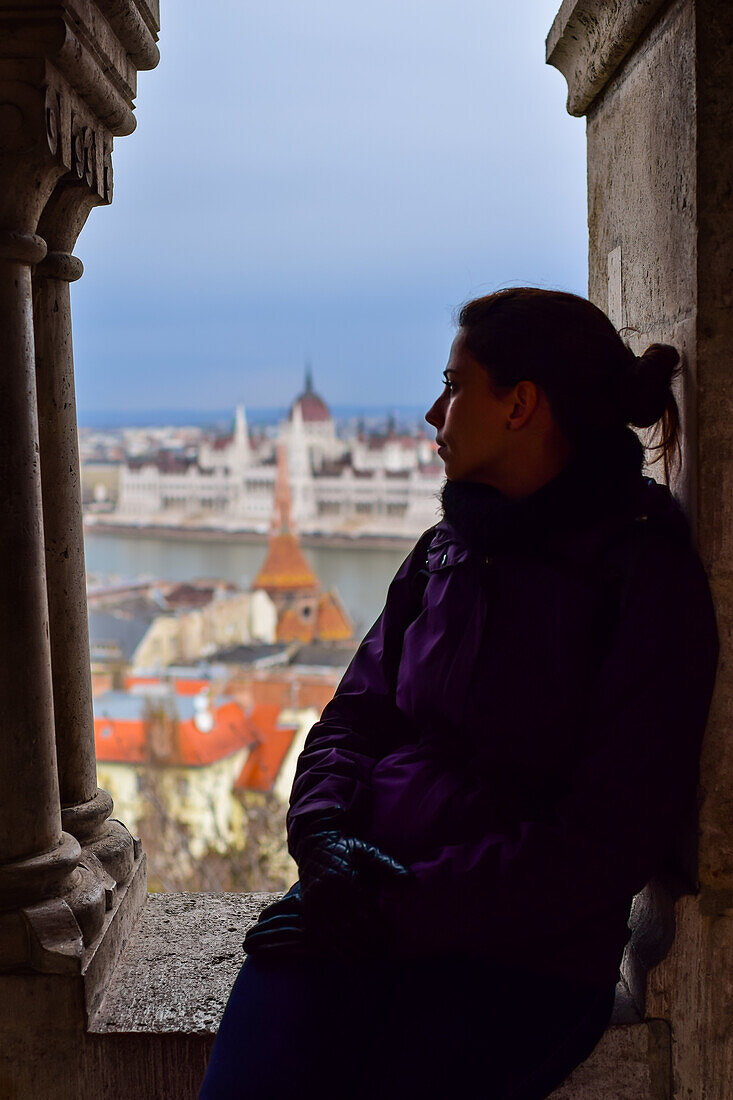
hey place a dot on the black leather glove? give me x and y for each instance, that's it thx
(309, 823)
(280, 927)
(341, 877)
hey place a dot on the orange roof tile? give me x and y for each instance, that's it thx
(262, 766)
(182, 685)
(292, 628)
(120, 740)
(231, 733)
(332, 622)
(125, 740)
(285, 566)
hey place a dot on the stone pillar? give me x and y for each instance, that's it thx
(84, 808)
(36, 860)
(71, 881)
(655, 82)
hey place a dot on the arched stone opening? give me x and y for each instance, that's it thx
(654, 79)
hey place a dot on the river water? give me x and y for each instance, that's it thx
(359, 574)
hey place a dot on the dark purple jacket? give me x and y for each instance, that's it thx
(522, 724)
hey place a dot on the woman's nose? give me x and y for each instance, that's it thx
(433, 416)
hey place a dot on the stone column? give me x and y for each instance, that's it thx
(64, 544)
(67, 84)
(53, 900)
(84, 808)
(36, 859)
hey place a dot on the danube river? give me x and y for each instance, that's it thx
(359, 574)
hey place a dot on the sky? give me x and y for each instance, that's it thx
(325, 182)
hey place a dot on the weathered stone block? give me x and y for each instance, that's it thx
(629, 1063)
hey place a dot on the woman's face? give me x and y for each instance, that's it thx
(471, 422)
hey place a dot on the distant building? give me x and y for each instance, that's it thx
(202, 777)
(174, 759)
(304, 612)
(378, 486)
(160, 624)
(278, 739)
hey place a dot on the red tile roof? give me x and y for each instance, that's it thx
(332, 622)
(285, 566)
(180, 684)
(128, 740)
(231, 733)
(262, 766)
(120, 740)
(292, 628)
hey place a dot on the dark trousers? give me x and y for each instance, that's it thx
(307, 1027)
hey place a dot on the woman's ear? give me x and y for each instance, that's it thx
(523, 401)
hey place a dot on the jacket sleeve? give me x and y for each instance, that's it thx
(362, 721)
(633, 780)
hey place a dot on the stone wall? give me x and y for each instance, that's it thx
(656, 83)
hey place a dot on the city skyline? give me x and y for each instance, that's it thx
(333, 183)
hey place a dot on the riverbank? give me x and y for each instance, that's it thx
(358, 571)
(174, 533)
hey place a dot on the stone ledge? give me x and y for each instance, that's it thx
(590, 38)
(174, 978)
(179, 965)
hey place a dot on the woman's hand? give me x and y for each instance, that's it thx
(340, 878)
(280, 926)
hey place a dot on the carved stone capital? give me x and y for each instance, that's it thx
(65, 215)
(590, 38)
(46, 131)
(98, 47)
(136, 26)
(68, 79)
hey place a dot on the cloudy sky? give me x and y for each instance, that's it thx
(327, 181)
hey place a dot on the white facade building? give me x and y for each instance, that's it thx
(370, 486)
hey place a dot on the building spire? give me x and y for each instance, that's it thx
(240, 438)
(285, 569)
(281, 523)
(308, 377)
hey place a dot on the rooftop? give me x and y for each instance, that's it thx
(312, 406)
(271, 745)
(199, 732)
(285, 566)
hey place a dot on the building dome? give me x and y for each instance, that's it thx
(313, 409)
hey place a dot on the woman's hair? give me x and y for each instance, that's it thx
(594, 383)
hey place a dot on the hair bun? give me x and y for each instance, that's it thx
(649, 383)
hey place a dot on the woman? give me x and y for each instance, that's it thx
(511, 753)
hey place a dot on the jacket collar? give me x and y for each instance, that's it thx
(606, 485)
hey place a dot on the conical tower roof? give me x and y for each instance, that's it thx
(332, 621)
(285, 567)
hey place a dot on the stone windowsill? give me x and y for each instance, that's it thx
(179, 964)
(175, 976)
